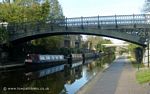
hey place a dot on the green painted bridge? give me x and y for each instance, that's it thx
(131, 28)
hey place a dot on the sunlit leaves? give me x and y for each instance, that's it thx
(96, 42)
(24, 11)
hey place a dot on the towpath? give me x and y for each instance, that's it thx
(119, 78)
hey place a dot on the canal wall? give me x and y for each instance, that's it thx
(3, 56)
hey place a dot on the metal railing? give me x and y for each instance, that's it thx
(110, 20)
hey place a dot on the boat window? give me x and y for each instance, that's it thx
(48, 57)
(57, 57)
(52, 57)
(42, 58)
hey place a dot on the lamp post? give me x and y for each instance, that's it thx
(148, 50)
(147, 40)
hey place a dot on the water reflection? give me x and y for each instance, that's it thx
(73, 73)
(59, 79)
(44, 72)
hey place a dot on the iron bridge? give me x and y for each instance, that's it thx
(132, 28)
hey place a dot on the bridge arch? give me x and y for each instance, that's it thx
(104, 33)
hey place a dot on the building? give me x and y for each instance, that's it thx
(72, 41)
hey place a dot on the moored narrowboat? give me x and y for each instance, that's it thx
(73, 58)
(43, 60)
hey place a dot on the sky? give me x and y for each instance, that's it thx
(84, 8)
(78, 8)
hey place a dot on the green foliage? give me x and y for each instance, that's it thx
(97, 42)
(49, 43)
(107, 49)
(45, 8)
(20, 11)
(132, 50)
(24, 11)
(131, 47)
(3, 36)
(143, 76)
(56, 10)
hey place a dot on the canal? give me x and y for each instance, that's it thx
(61, 79)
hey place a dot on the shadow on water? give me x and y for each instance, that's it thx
(59, 79)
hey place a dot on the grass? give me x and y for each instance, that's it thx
(143, 76)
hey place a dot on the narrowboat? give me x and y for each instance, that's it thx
(38, 60)
(73, 58)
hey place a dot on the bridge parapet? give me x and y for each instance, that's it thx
(114, 21)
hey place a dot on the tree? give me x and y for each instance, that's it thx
(24, 11)
(55, 12)
(49, 43)
(132, 48)
(94, 41)
(146, 6)
(97, 42)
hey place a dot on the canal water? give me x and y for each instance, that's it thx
(59, 79)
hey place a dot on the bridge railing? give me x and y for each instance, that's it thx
(110, 20)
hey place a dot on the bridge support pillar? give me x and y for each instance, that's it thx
(146, 56)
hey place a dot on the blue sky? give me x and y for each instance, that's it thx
(78, 8)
